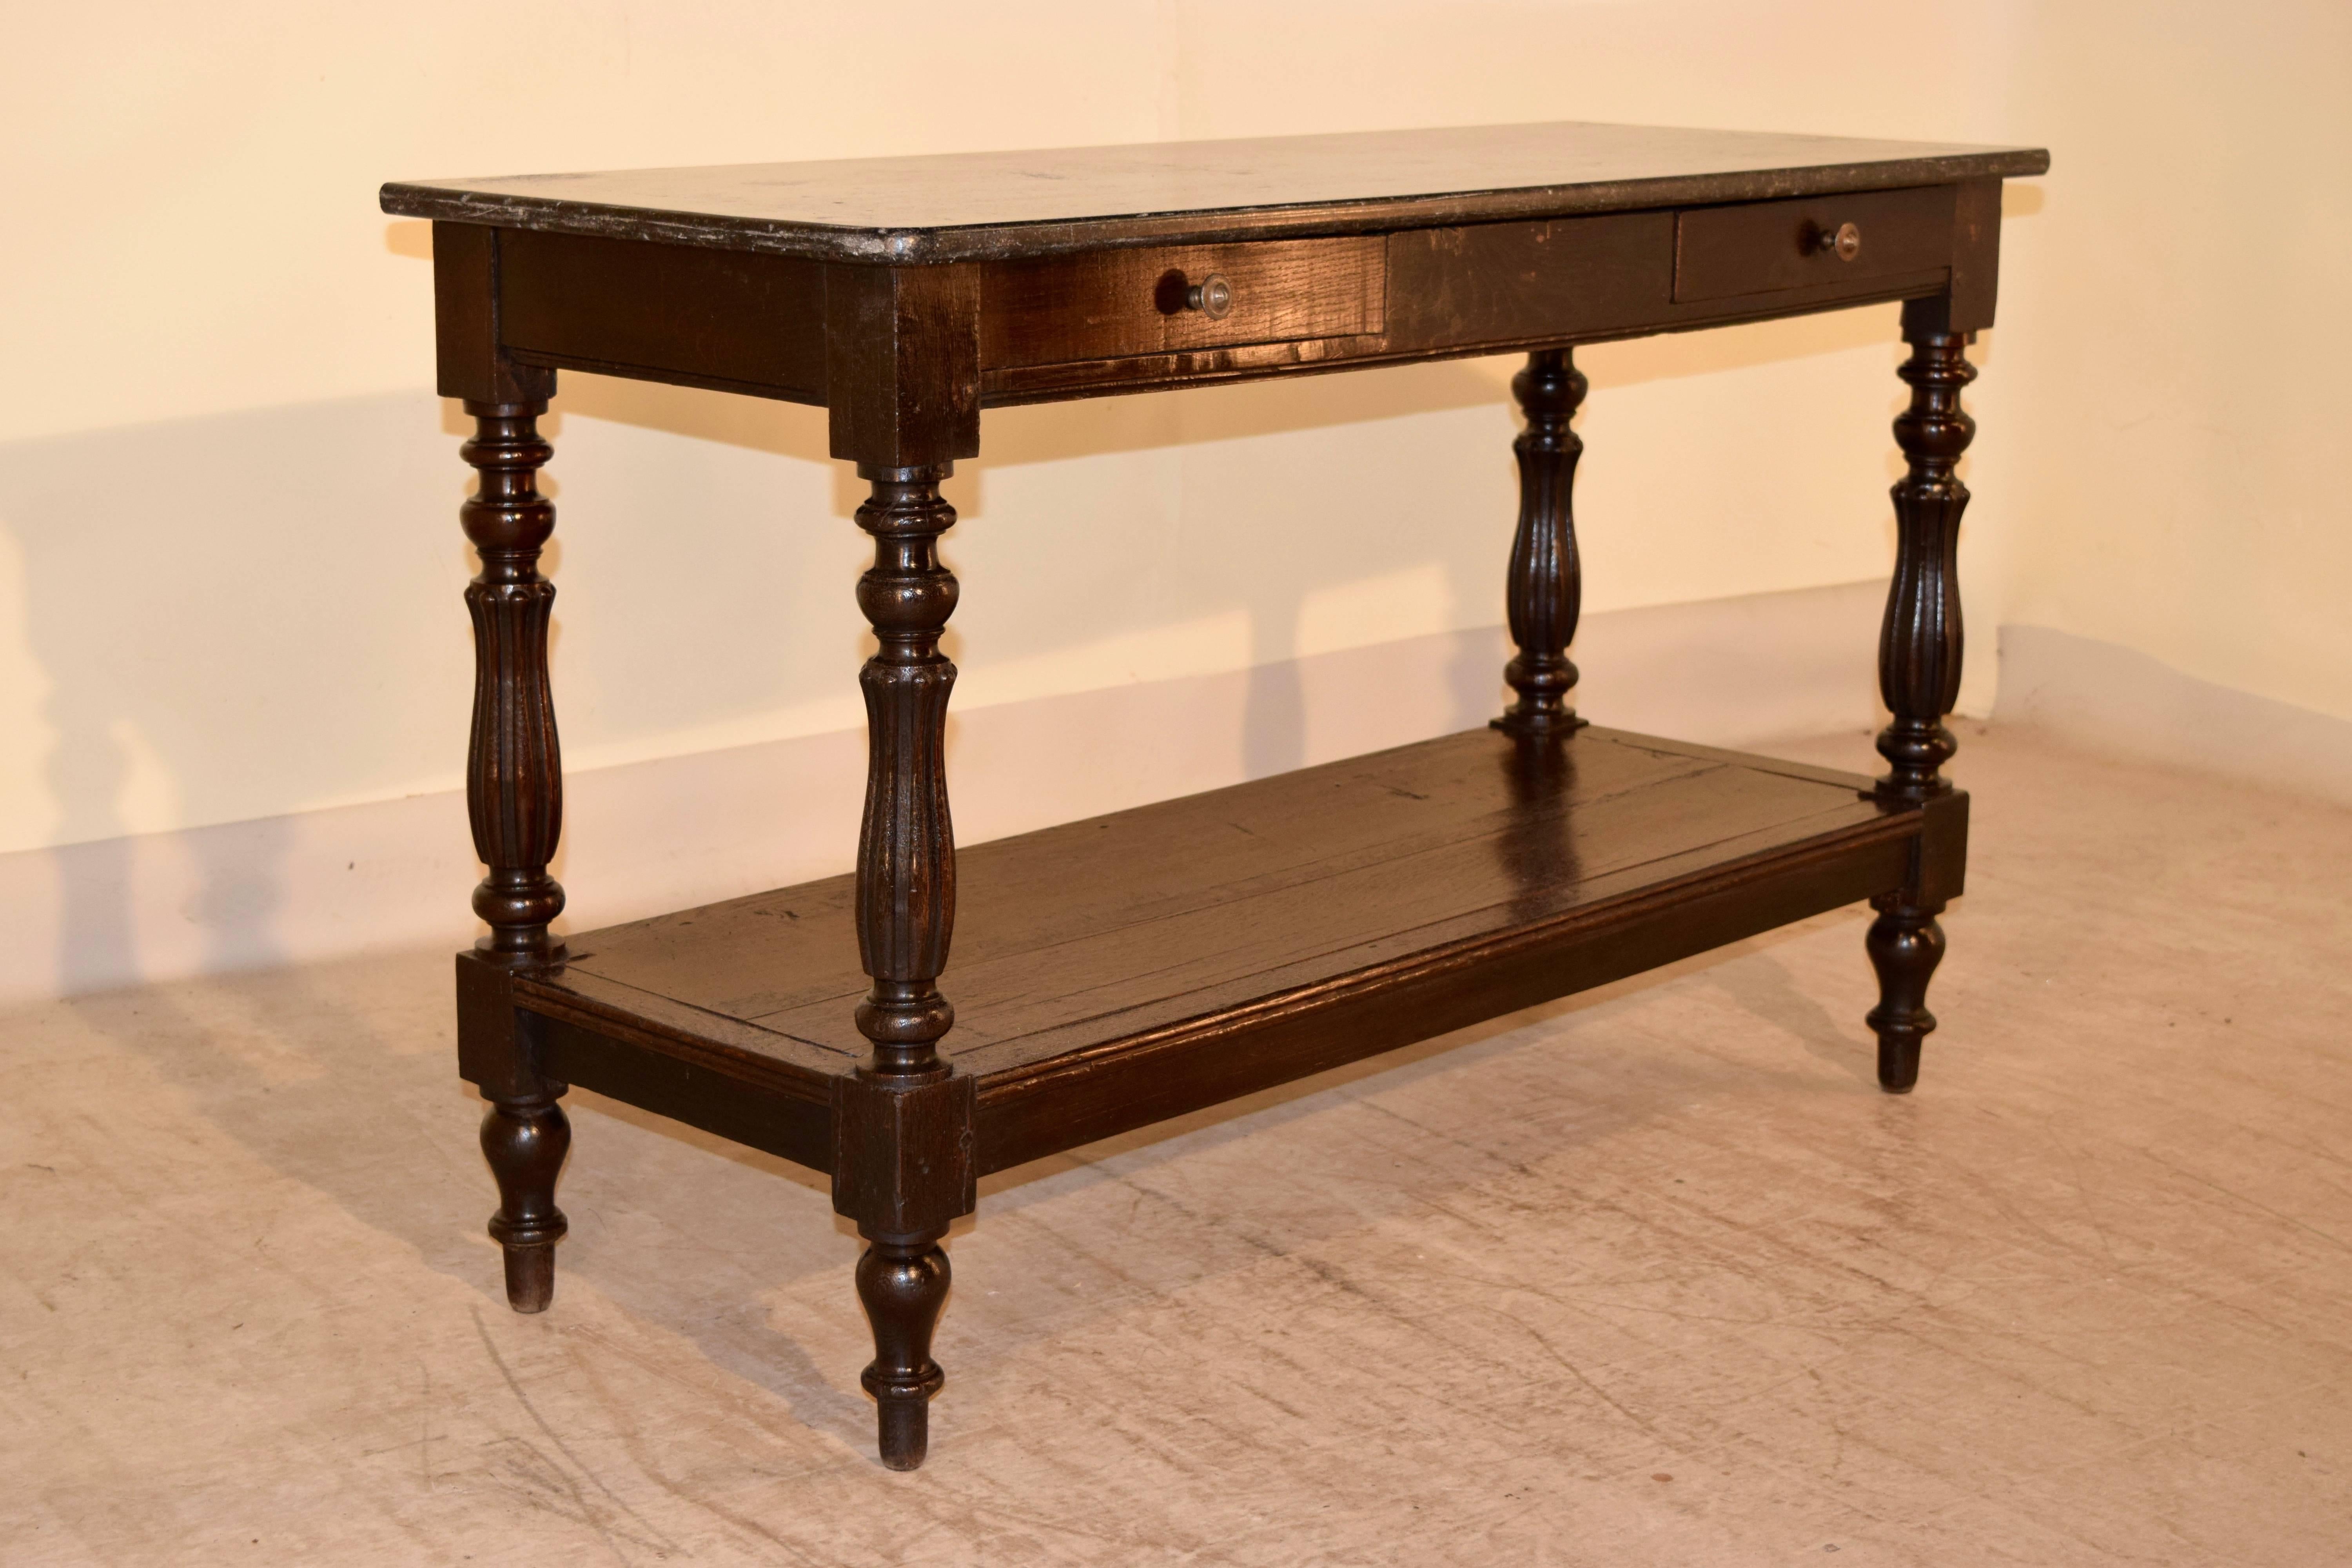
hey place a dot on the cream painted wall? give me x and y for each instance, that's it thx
(229, 565)
(2176, 342)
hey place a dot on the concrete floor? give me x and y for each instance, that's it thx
(1655, 1276)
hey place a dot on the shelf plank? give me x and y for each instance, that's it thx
(1468, 872)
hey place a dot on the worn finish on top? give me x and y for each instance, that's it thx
(992, 206)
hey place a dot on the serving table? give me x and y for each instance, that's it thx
(1119, 971)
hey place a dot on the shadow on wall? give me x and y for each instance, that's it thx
(257, 613)
(1269, 587)
(191, 606)
(1358, 524)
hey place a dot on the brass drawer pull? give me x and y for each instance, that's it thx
(1211, 296)
(1844, 241)
(1174, 294)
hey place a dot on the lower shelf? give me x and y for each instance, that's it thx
(1115, 972)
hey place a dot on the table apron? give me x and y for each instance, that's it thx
(1118, 320)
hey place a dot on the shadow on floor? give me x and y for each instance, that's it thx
(339, 1077)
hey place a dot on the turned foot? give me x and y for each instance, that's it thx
(525, 1142)
(903, 1283)
(1905, 946)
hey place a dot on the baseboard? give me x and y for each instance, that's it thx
(691, 829)
(2111, 699)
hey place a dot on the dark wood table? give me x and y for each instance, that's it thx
(1120, 971)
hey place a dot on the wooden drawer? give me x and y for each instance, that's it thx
(1721, 252)
(1117, 304)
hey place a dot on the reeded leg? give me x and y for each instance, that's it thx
(903, 1283)
(514, 770)
(1919, 641)
(525, 1142)
(514, 794)
(902, 1123)
(1920, 667)
(1546, 587)
(1905, 946)
(905, 845)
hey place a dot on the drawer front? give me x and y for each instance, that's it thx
(1117, 304)
(1722, 252)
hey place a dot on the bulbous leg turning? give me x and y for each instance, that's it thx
(1920, 646)
(1905, 946)
(514, 794)
(1544, 588)
(525, 1142)
(903, 1282)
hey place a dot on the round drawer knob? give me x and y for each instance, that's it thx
(1844, 241)
(1213, 297)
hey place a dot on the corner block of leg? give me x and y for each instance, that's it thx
(903, 1151)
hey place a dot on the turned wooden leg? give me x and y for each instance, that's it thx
(1919, 641)
(902, 1123)
(514, 771)
(903, 1284)
(525, 1142)
(1920, 667)
(1904, 946)
(905, 844)
(1546, 587)
(514, 794)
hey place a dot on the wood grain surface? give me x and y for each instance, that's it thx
(1108, 928)
(1116, 303)
(1000, 206)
